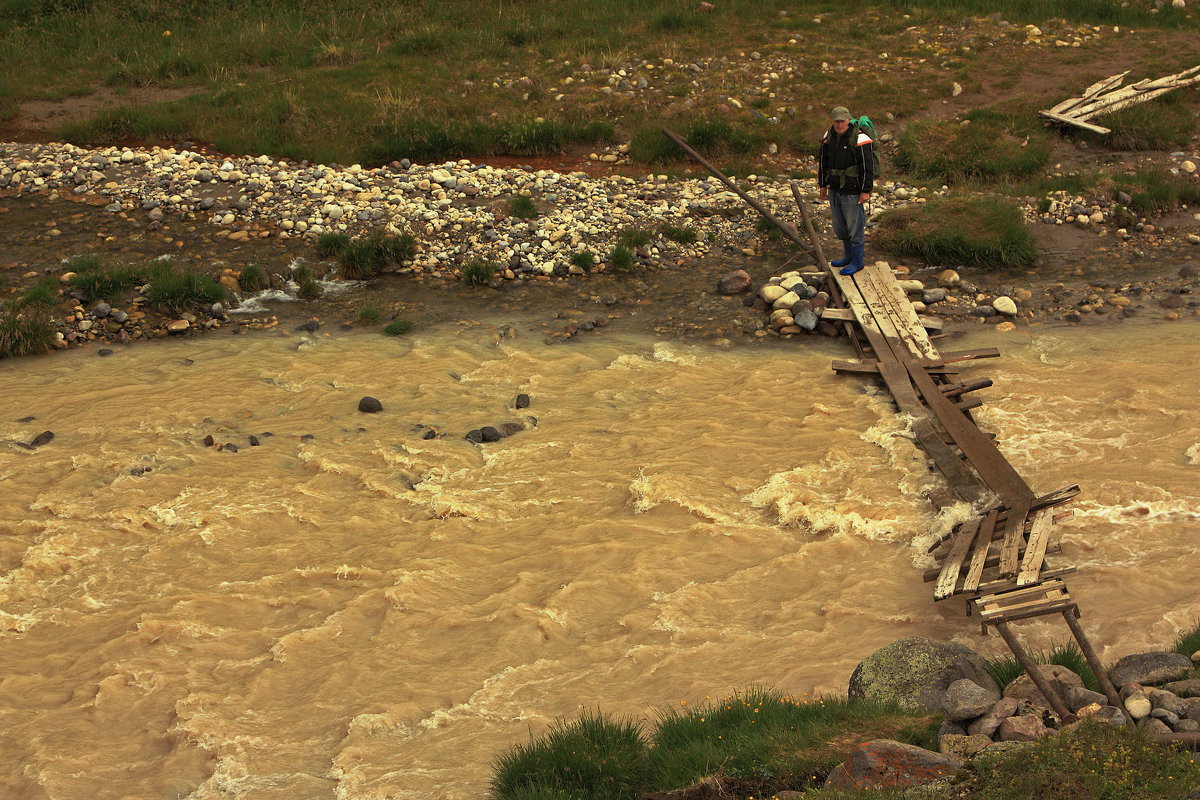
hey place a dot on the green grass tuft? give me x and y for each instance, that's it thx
(621, 259)
(679, 234)
(364, 257)
(180, 289)
(369, 314)
(25, 331)
(584, 259)
(1006, 669)
(43, 294)
(96, 281)
(308, 289)
(398, 327)
(993, 145)
(522, 207)
(1154, 190)
(1188, 641)
(253, 278)
(594, 757)
(634, 238)
(979, 231)
(332, 245)
(478, 272)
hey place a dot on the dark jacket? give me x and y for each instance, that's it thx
(847, 162)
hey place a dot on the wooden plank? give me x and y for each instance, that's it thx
(837, 314)
(979, 559)
(1035, 551)
(997, 586)
(969, 355)
(1055, 498)
(855, 367)
(993, 468)
(954, 561)
(894, 298)
(1076, 122)
(932, 573)
(1014, 537)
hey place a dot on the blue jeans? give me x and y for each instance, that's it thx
(849, 218)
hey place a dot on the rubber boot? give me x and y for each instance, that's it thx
(845, 259)
(856, 259)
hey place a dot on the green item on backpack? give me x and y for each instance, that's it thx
(864, 124)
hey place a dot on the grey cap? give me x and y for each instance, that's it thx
(841, 113)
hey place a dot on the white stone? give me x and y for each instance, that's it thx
(1005, 305)
(786, 300)
(771, 293)
(1188, 166)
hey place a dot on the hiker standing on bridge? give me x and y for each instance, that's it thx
(846, 176)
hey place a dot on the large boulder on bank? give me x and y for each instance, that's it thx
(1150, 668)
(885, 764)
(916, 672)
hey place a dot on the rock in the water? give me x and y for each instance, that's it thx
(883, 763)
(966, 699)
(42, 438)
(490, 434)
(916, 672)
(735, 282)
(369, 405)
(1150, 668)
(474, 435)
(209, 441)
(522, 401)
(509, 428)
(178, 326)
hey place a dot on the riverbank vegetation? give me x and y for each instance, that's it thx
(760, 742)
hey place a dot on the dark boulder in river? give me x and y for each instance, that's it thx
(369, 405)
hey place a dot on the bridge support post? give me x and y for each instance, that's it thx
(1031, 670)
(1114, 699)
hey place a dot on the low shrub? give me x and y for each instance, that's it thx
(980, 231)
(25, 331)
(369, 314)
(621, 259)
(253, 278)
(634, 238)
(398, 327)
(303, 273)
(478, 271)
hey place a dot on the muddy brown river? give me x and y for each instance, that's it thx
(349, 610)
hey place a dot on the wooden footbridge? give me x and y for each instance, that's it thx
(995, 561)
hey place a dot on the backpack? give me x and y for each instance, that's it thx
(864, 124)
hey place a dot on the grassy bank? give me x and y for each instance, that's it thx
(370, 80)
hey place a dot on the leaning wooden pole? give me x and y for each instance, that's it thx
(787, 229)
(1110, 691)
(808, 226)
(1032, 671)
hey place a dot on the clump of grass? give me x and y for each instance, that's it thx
(980, 231)
(253, 278)
(621, 259)
(522, 206)
(1188, 641)
(992, 146)
(1006, 669)
(180, 289)
(478, 271)
(25, 332)
(97, 281)
(713, 138)
(584, 259)
(308, 289)
(1162, 124)
(754, 743)
(679, 234)
(593, 757)
(332, 245)
(303, 273)
(1154, 190)
(365, 256)
(634, 238)
(369, 314)
(398, 327)
(42, 294)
